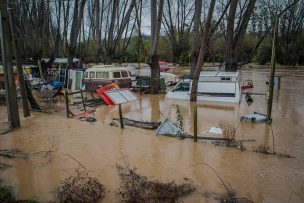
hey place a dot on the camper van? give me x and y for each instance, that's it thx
(212, 86)
(101, 75)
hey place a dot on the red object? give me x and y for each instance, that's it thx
(101, 91)
(248, 84)
(163, 66)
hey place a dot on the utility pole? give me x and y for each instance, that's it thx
(25, 106)
(272, 69)
(10, 87)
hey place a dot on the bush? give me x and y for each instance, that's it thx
(263, 54)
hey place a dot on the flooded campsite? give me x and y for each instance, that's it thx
(56, 146)
(151, 101)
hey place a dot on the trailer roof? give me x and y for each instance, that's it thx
(218, 74)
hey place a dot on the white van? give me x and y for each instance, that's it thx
(212, 86)
(102, 75)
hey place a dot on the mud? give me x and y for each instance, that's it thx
(100, 147)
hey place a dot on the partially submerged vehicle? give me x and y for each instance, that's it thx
(212, 86)
(102, 75)
(163, 66)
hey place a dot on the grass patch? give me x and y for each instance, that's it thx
(7, 196)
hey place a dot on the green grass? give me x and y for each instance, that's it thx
(7, 196)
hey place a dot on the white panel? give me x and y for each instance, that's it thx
(216, 87)
(116, 97)
(128, 95)
(121, 96)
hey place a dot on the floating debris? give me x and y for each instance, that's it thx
(254, 118)
(216, 130)
(137, 188)
(139, 124)
(13, 153)
(4, 166)
(167, 128)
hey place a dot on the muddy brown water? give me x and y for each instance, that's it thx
(99, 146)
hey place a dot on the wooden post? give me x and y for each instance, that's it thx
(195, 123)
(272, 70)
(84, 108)
(25, 105)
(40, 69)
(10, 87)
(67, 103)
(120, 117)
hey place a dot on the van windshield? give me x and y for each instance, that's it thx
(182, 87)
(116, 75)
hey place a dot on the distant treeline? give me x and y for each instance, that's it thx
(117, 31)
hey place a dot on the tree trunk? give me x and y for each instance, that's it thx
(229, 62)
(196, 36)
(155, 71)
(155, 74)
(203, 50)
(76, 24)
(235, 38)
(114, 41)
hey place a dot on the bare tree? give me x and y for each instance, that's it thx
(196, 36)
(178, 21)
(156, 19)
(140, 44)
(117, 25)
(234, 37)
(202, 52)
(75, 29)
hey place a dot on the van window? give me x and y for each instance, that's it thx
(92, 74)
(124, 74)
(116, 75)
(99, 74)
(105, 75)
(86, 75)
(182, 87)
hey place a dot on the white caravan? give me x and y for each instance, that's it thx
(212, 86)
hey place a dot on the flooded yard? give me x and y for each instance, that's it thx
(100, 147)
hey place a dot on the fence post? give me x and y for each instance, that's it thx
(195, 123)
(67, 103)
(120, 117)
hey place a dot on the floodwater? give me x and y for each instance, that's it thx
(100, 147)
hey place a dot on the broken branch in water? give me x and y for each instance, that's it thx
(230, 193)
(216, 173)
(76, 161)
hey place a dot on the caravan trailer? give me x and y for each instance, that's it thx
(212, 86)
